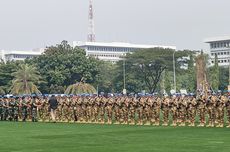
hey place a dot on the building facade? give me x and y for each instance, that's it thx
(19, 55)
(219, 46)
(113, 51)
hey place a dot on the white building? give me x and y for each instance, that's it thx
(19, 55)
(112, 51)
(221, 47)
(104, 51)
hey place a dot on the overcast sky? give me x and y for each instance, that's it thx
(28, 24)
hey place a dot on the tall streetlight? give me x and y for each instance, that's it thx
(228, 67)
(174, 71)
(124, 89)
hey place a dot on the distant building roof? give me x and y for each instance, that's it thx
(119, 44)
(23, 53)
(216, 39)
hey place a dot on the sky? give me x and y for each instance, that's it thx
(30, 24)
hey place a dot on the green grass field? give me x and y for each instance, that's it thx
(63, 137)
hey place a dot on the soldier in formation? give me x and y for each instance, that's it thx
(210, 109)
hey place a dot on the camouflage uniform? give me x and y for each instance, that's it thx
(91, 110)
(79, 112)
(39, 106)
(96, 105)
(83, 109)
(1, 109)
(173, 105)
(5, 109)
(156, 107)
(191, 111)
(29, 108)
(74, 109)
(140, 109)
(109, 110)
(125, 110)
(165, 110)
(70, 114)
(182, 111)
(201, 110)
(88, 110)
(102, 110)
(16, 109)
(210, 103)
(20, 108)
(220, 104)
(116, 111)
(41, 111)
(46, 110)
(121, 112)
(132, 107)
(24, 109)
(34, 106)
(65, 110)
(147, 111)
(228, 112)
(11, 109)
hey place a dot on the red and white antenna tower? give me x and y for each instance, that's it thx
(91, 33)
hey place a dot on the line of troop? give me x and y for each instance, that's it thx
(202, 110)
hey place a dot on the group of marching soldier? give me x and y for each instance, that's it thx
(144, 110)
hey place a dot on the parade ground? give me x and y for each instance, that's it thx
(61, 137)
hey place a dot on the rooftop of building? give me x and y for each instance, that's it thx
(120, 44)
(217, 39)
(23, 52)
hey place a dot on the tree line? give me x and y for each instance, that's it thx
(66, 69)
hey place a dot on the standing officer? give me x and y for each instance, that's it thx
(53, 104)
(228, 111)
(132, 107)
(24, 109)
(11, 109)
(116, 110)
(220, 105)
(191, 108)
(34, 108)
(165, 110)
(1, 109)
(173, 104)
(140, 109)
(201, 109)
(210, 103)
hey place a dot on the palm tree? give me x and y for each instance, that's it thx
(25, 79)
(79, 88)
(2, 92)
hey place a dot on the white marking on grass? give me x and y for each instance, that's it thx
(216, 142)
